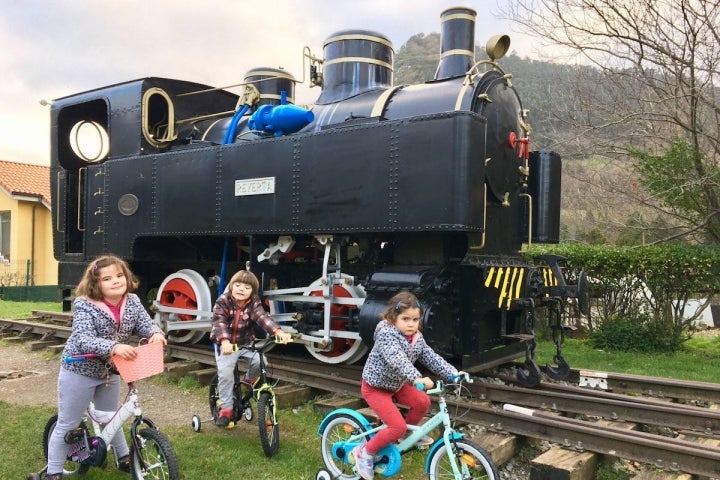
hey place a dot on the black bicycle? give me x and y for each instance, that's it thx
(261, 390)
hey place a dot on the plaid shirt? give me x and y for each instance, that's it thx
(238, 324)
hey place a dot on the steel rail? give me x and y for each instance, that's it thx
(664, 452)
(610, 406)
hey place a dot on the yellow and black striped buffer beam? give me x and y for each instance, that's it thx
(549, 278)
(508, 281)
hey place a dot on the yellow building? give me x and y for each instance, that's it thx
(26, 245)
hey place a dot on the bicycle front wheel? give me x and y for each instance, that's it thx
(474, 462)
(154, 458)
(268, 425)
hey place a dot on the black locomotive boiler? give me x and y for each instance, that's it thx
(374, 188)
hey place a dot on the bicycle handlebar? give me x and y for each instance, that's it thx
(79, 357)
(253, 345)
(440, 386)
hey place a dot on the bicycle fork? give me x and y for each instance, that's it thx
(449, 436)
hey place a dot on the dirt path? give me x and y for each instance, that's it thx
(30, 378)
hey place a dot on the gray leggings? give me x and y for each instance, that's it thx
(75, 392)
(226, 369)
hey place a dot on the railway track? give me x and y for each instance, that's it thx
(650, 420)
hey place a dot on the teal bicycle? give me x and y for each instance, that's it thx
(450, 457)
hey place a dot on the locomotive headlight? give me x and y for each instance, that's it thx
(497, 46)
(89, 141)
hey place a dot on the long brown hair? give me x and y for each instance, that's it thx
(89, 285)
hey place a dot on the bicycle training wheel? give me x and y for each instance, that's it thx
(268, 425)
(474, 462)
(338, 429)
(154, 458)
(70, 468)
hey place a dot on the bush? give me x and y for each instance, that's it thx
(639, 334)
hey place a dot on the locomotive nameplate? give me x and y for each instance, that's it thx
(254, 186)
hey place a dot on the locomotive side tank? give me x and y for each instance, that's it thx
(374, 188)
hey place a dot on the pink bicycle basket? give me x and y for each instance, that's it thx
(148, 362)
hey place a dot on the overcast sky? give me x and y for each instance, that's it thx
(53, 48)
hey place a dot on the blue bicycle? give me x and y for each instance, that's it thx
(450, 457)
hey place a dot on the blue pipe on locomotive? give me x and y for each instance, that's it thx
(373, 188)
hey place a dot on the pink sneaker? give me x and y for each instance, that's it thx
(364, 463)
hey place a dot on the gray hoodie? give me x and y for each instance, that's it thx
(390, 363)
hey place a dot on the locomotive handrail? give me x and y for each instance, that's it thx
(158, 307)
(57, 207)
(79, 198)
(530, 214)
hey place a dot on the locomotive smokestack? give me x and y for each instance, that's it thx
(457, 42)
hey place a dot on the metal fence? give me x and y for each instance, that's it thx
(17, 283)
(16, 273)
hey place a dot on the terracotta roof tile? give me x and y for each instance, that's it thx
(25, 179)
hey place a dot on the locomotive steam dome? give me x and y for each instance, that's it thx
(355, 61)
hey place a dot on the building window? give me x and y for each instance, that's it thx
(5, 235)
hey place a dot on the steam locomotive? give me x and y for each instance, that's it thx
(372, 189)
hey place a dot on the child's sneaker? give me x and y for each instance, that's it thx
(424, 441)
(364, 463)
(224, 417)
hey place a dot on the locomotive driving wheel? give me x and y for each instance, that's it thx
(185, 289)
(340, 349)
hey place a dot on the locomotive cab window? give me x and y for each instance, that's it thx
(89, 141)
(158, 117)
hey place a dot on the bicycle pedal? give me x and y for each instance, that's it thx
(74, 435)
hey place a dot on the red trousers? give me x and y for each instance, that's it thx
(381, 401)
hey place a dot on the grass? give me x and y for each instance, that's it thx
(217, 453)
(13, 310)
(699, 359)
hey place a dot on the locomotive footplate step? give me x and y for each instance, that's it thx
(519, 336)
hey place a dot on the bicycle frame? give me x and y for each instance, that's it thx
(261, 391)
(105, 424)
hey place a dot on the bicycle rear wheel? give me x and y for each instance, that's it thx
(338, 429)
(267, 424)
(154, 458)
(474, 462)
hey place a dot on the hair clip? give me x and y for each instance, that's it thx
(95, 267)
(398, 305)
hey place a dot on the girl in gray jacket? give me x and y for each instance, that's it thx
(390, 372)
(105, 314)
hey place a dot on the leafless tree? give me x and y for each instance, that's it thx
(648, 75)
